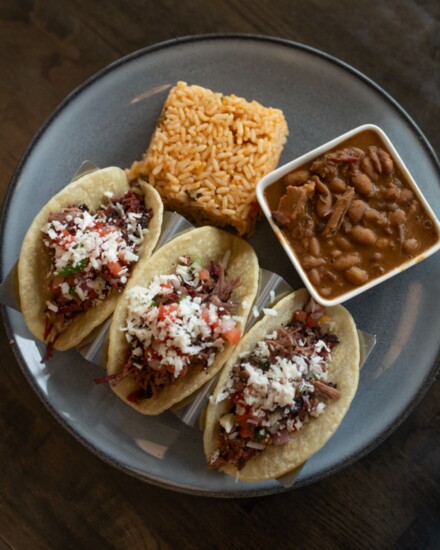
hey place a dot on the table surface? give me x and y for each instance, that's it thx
(55, 493)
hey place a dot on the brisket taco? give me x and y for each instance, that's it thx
(180, 318)
(284, 391)
(81, 250)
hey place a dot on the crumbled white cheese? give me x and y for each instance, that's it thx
(319, 409)
(86, 240)
(180, 331)
(279, 383)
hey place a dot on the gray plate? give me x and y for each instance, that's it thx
(109, 120)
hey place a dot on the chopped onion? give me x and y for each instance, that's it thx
(255, 445)
(280, 438)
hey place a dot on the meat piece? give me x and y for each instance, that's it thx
(324, 168)
(351, 155)
(61, 216)
(343, 203)
(320, 186)
(292, 210)
(325, 390)
(291, 206)
(299, 177)
(223, 289)
(372, 153)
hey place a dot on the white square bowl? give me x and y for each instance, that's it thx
(277, 174)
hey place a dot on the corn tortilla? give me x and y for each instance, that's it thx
(34, 261)
(343, 370)
(206, 244)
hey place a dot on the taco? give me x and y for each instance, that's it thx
(284, 391)
(180, 317)
(81, 250)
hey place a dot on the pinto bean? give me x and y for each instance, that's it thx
(335, 253)
(392, 193)
(356, 210)
(382, 243)
(321, 186)
(376, 257)
(324, 205)
(410, 246)
(337, 186)
(390, 207)
(397, 217)
(324, 291)
(375, 217)
(315, 277)
(345, 261)
(386, 161)
(363, 235)
(362, 183)
(309, 262)
(356, 275)
(299, 177)
(378, 270)
(329, 276)
(314, 246)
(406, 195)
(344, 243)
(368, 167)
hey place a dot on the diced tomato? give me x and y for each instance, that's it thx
(238, 398)
(311, 322)
(300, 316)
(114, 268)
(210, 318)
(57, 280)
(67, 237)
(243, 419)
(232, 336)
(205, 315)
(166, 311)
(247, 433)
(204, 274)
(101, 229)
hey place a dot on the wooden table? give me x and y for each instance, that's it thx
(56, 494)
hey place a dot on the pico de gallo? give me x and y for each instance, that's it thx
(276, 388)
(91, 255)
(177, 323)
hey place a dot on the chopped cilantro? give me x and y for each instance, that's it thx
(260, 436)
(73, 292)
(71, 269)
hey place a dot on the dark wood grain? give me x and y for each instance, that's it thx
(54, 493)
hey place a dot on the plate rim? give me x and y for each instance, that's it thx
(169, 484)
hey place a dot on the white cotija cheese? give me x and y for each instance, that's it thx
(177, 332)
(278, 384)
(90, 243)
